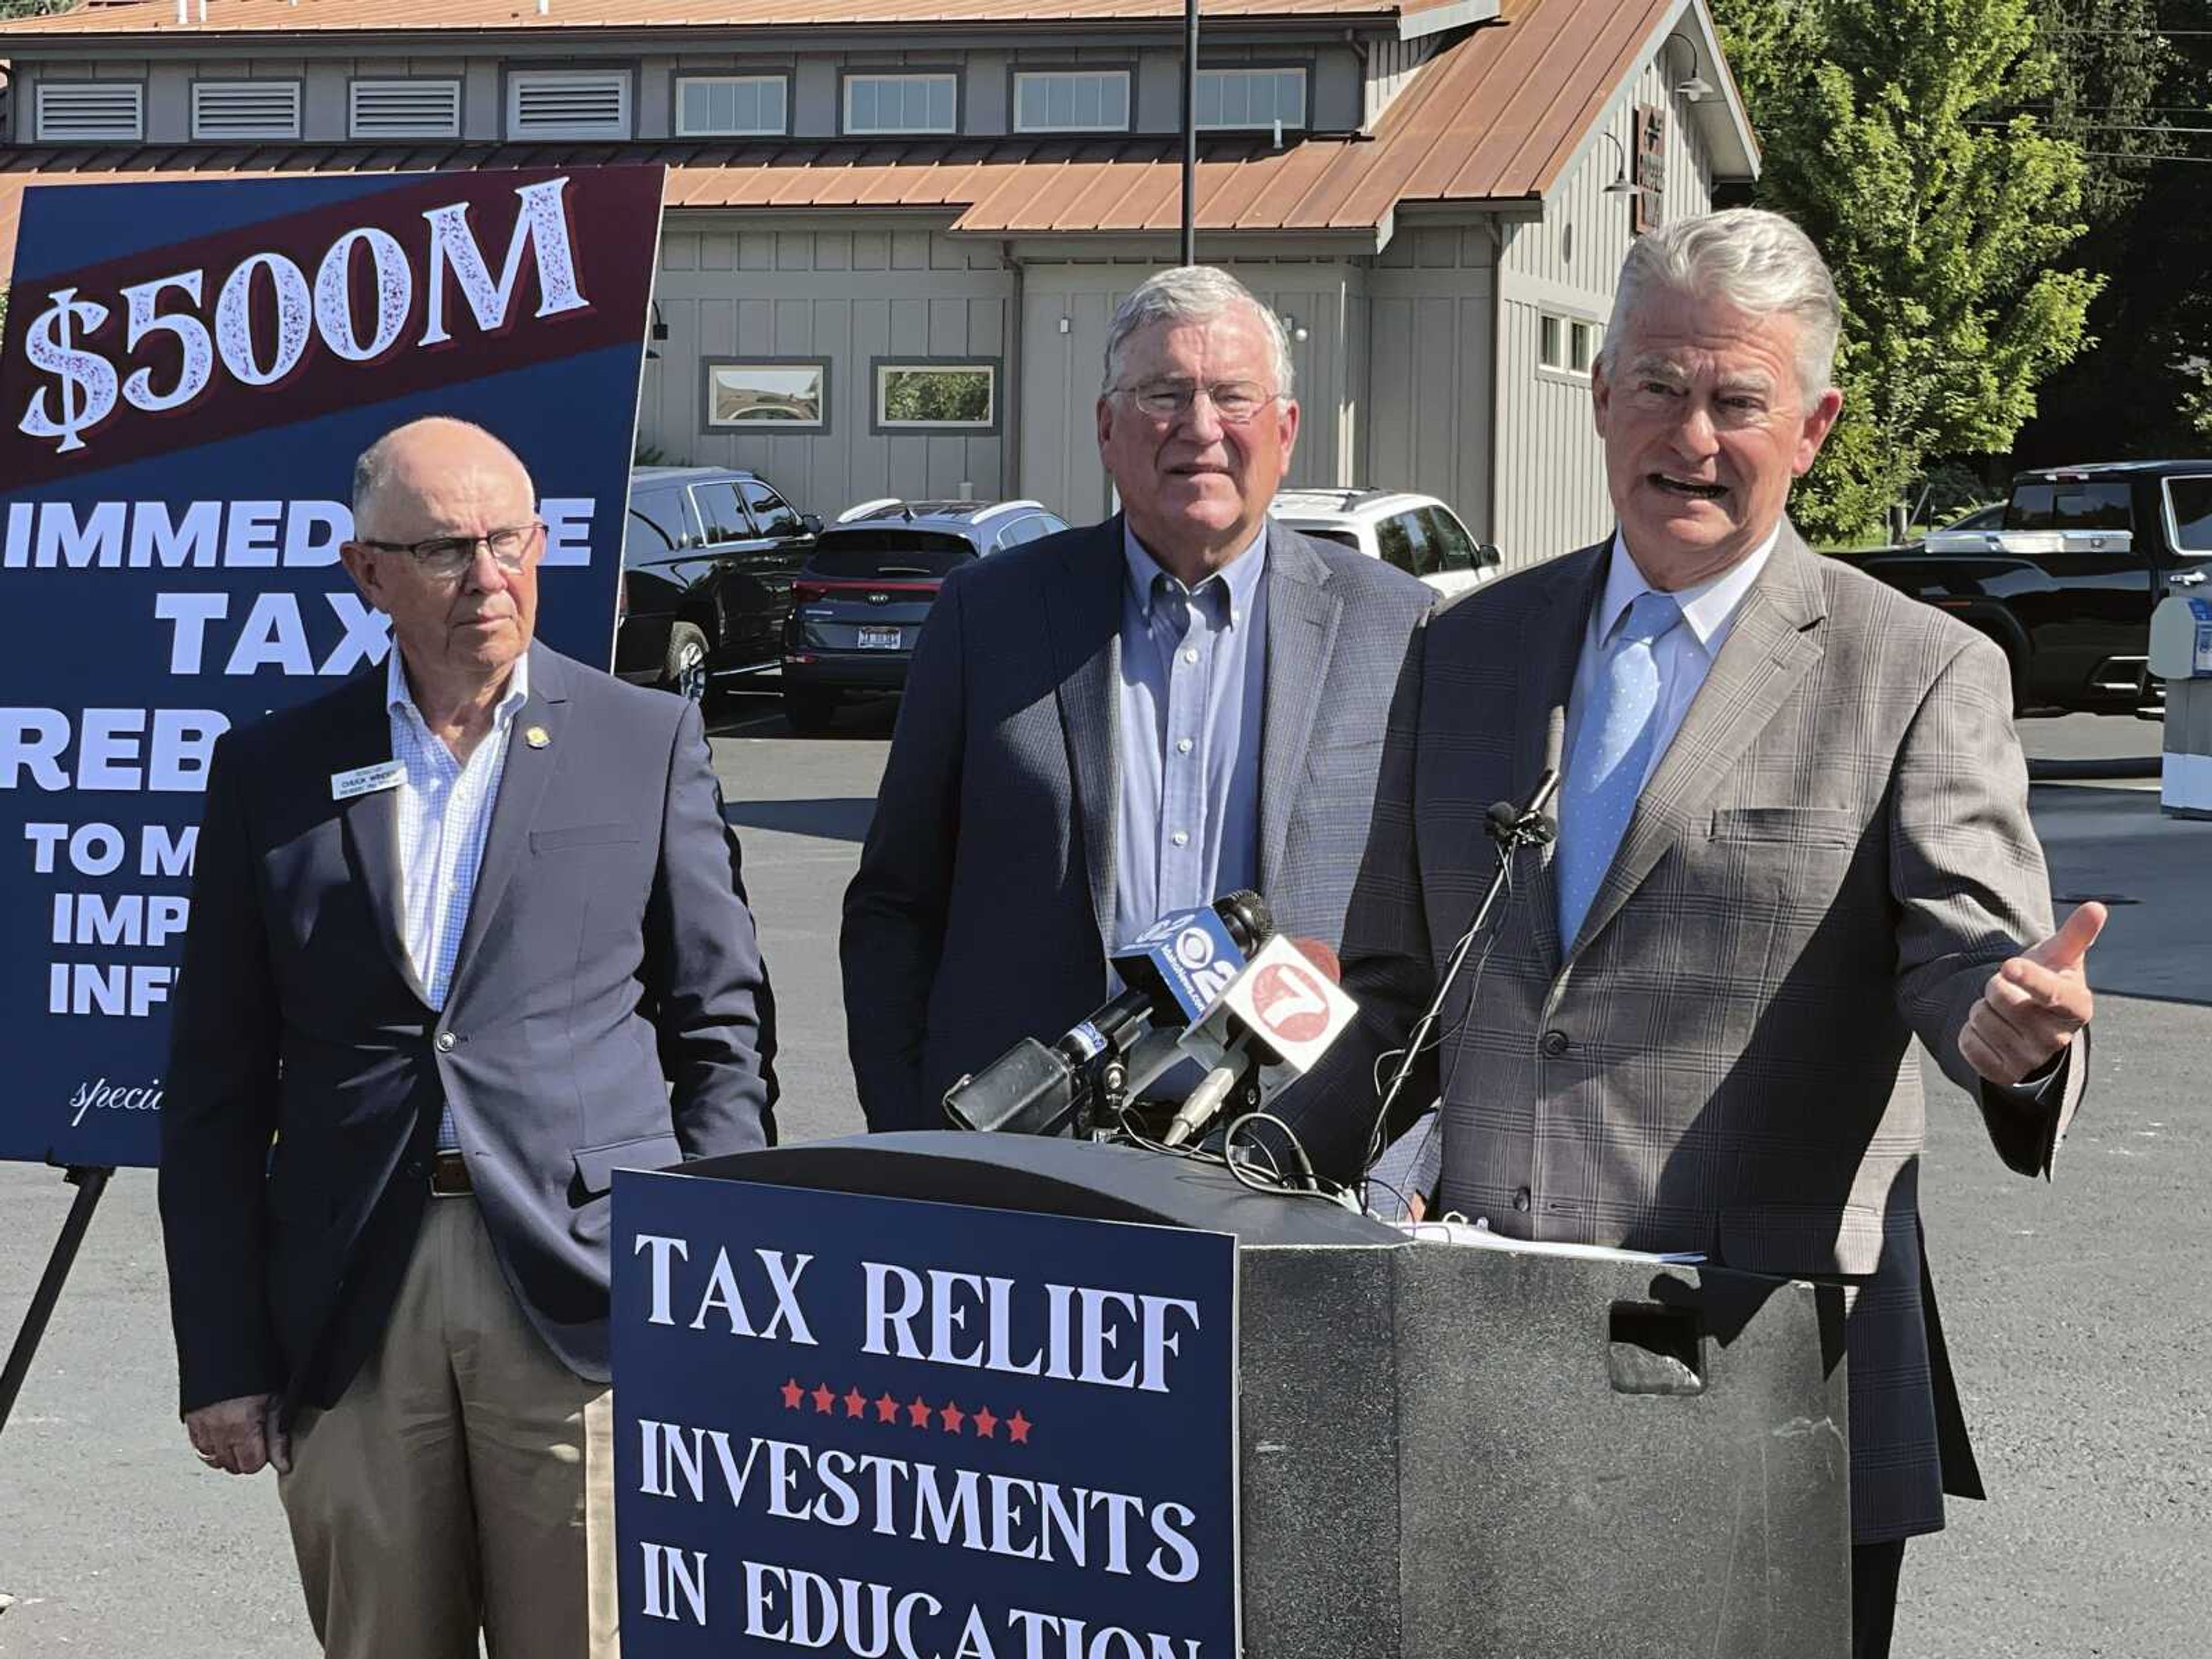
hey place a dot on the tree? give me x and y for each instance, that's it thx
(1892, 133)
(2147, 388)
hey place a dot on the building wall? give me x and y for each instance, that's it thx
(1066, 311)
(1432, 300)
(729, 290)
(1551, 492)
(1335, 88)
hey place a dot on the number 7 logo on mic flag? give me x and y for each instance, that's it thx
(1290, 1004)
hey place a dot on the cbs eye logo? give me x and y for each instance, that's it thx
(1194, 948)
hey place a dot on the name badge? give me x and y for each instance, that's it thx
(367, 779)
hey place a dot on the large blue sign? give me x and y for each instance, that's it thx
(190, 370)
(860, 1426)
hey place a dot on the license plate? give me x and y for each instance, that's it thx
(879, 639)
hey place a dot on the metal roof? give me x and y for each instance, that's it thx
(289, 17)
(1496, 118)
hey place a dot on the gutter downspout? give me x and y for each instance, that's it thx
(1009, 444)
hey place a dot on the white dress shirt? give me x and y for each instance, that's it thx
(444, 811)
(1684, 655)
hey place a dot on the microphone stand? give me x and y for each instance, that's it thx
(1512, 828)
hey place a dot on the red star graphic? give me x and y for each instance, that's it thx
(855, 1403)
(792, 1391)
(824, 1399)
(919, 1414)
(986, 1425)
(953, 1416)
(1019, 1427)
(887, 1409)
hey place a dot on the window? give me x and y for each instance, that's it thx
(729, 105)
(656, 525)
(1582, 346)
(1089, 100)
(87, 112)
(901, 103)
(1455, 548)
(404, 109)
(945, 397)
(782, 393)
(1403, 543)
(721, 512)
(2070, 506)
(245, 109)
(2095, 506)
(1567, 345)
(1026, 527)
(2190, 501)
(569, 104)
(1232, 99)
(774, 515)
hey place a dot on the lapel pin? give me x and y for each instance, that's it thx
(537, 737)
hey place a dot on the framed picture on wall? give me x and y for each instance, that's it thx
(778, 394)
(936, 395)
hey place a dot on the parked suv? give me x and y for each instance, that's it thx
(708, 556)
(864, 595)
(1418, 534)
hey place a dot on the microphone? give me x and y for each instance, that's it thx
(1174, 972)
(1285, 1005)
(1511, 827)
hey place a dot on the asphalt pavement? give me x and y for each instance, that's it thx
(2080, 1312)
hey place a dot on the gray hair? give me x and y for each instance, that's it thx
(1190, 294)
(1757, 261)
(373, 469)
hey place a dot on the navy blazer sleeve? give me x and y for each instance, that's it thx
(713, 1010)
(895, 909)
(219, 1115)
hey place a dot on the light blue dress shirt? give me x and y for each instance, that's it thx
(1192, 702)
(1684, 655)
(444, 811)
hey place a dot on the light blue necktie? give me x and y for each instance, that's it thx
(1612, 752)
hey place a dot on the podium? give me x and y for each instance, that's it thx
(1439, 1450)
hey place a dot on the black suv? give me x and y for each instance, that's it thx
(865, 593)
(708, 556)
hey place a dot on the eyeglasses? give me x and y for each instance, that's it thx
(1235, 401)
(448, 556)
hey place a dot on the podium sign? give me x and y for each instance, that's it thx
(883, 1427)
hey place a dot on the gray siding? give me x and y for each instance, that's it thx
(1337, 93)
(1061, 372)
(846, 295)
(1429, 423)
(1551, 466)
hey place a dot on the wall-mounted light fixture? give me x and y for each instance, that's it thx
(1693, 85)
(1622, 185)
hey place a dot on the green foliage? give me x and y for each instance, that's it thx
(2145, 391)
(937, 394)
(1891, 133)
(2108, 59)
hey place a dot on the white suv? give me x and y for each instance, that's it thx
(1418, 534)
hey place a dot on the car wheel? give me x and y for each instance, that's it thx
(685, 671)
(809, 712)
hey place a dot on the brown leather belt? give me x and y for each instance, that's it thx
(449, 1177)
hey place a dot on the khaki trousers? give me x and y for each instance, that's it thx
(465, 1480)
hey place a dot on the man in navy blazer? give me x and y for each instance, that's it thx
(468, 934)
(1123, 721)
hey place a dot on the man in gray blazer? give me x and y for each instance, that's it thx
(467, 935)
(1794, 836)
(1122, 720)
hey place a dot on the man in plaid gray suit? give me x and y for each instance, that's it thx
(1793, 837)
